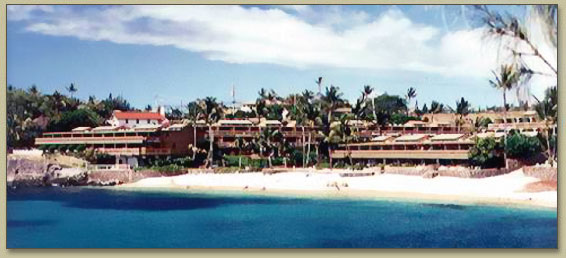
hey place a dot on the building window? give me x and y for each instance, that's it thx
(127, 121)
(148, 121)
(137, 121)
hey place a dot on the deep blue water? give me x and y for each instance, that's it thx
(87, 217)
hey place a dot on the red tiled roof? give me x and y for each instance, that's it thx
(138, 115)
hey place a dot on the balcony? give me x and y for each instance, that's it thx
(120, 151)
(523, 125)
(402, 154)
(155, 151)
(90, 140)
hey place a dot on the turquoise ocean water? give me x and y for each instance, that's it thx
(90, 217)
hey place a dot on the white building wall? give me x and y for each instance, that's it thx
(132, 122)
(137, 122)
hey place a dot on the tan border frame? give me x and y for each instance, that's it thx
(274, 252)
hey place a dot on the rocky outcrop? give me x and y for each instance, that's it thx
(38, 172)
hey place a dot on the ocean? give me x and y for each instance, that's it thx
(106, 218)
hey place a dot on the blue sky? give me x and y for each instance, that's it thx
(176, 54)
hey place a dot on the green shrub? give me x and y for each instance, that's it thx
(63, 147)
(81, 147)
(339, 164)
(277, 161)
(168, 169)
(522, 146)
(72, 147)
(323, 165)
(52, 148)
(233, 160)
(401, 118)
(357, 166)
(485, 153)
(75, 118)
(296, 158)
(161, 162)
(226, 170)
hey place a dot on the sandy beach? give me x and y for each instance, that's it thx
(509, 189)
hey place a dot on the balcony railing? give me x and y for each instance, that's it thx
(155, 151)
(402, 154)
(522, 125)
(89, 140)
(120, 151)
(236, 133)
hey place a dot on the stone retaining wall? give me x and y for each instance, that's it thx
(408, 171)
(463, 173)
(468, 173)
(543, 173)
(123, 176)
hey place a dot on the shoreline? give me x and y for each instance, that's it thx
(293, 184)
(356, 195)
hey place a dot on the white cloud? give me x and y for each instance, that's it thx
(24, 12)
(294, 36)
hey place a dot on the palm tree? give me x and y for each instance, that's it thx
(261, 109)
(57, 103)
(262, 93)
(505, 27)
(424, 110)
(241, 145)
(344, 132)
(462, 109)
(33, 90)
(72, 89)
(336, 133)
(319, 84)
(285, 149)
(311, 112)
(547, 110)
(359, 112)
(95, 105)
(480, 124)
(192, 114)
(331, 99)
(507, 79)
(272, 96)
(210, 111)
(174, 113)
(300, 117)
(366, 96)
(411, 94)
(267, 142)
